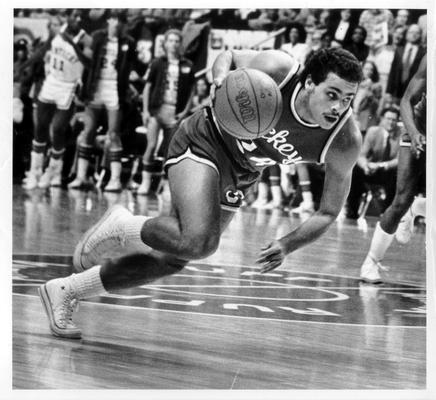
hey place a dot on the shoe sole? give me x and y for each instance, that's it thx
(45, 300)
(77, 256)
(372, 281)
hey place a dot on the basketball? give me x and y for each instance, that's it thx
(248, 104)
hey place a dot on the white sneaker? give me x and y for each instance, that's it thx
(113, 186)
(60, 301)
(80, 184)
(52, 176)
(405, 228)
(144, 189)
(259, 203)
(105, 237)
(31, 181)
(304, 208)
(370, 271)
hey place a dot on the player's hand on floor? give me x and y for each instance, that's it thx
(271, 256)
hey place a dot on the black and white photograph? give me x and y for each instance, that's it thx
(219, 202)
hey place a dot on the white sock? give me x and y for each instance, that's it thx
(262, 191)
(380, 243)
(307, 196)
(82, 168)
(418, 207)
(132, 228)
(115, 170)
(276, 192)
(87, 283)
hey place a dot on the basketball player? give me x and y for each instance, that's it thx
(167, 99)
(55, 100)
(209, 171)
(410, 177)
(105, 89)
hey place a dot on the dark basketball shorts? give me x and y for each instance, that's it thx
(198, 139)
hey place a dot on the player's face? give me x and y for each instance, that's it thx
(329, 99)
(75, 19)
(172, 44)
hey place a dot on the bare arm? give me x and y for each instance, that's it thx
(340, 160)
(413, 92)
(275, 63)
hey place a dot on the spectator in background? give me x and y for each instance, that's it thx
(263, 19)
(405, 63)
(402, 18)
(367, 100)
(55, 105)
(297, 46)
(105, 90)
(167, 100)
(422, 23)
(201, 96)
(378, 160)
(342, 29)
(372, 18)
(269, 185)
(357, 45)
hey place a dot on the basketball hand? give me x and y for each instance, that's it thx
(271, 256)
(217, 82)
(418, 144)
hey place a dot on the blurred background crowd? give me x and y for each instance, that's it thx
(388, 43)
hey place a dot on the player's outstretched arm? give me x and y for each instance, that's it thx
(275, 63)
(414, 90)
(340, 160)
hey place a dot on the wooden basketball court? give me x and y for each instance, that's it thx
(219, 324)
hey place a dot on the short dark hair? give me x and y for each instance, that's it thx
(337, 60)
(391, 109)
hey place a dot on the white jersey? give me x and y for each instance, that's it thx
(64, 64)
(109, 60)
(172, 83)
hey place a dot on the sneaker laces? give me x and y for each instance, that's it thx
(69, 305)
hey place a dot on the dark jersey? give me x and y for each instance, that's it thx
(292, 140)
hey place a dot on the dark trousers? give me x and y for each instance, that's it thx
(361, 183)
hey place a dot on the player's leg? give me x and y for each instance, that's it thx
(53, 173)
(192, 231)
(153, 130)
(115, 149)
(85, 146)
(407, 181)
(44, 114)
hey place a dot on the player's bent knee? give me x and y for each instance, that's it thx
(199, 246)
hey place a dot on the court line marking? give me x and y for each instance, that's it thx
(216, 264)
(234, 286)
(221, 264)
(88, 303)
